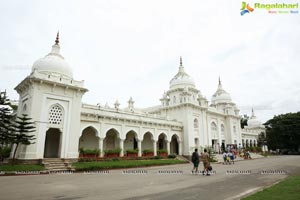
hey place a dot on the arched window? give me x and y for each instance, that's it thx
(56, 115)
(234, 130)
(213, 127)
(222, 129)
(196, 124)
(174, 99)
(24, 107)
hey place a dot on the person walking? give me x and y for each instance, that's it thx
(195, 161)
(225, 158)
(206, 163)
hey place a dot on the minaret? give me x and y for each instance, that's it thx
(57, 38)
(181, 68)
(56, 48)
(253, 115)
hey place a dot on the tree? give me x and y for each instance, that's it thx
(6, 118)
(283, 131)
(22, 127)
(261, 139)
(244, 121)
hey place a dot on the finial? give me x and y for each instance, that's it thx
(57, 38)
(219, 80)
(180, 61)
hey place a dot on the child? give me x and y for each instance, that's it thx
(231, 155)
(224, 158)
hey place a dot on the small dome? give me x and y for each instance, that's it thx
(53, 63)
(221, 96)
(181, 79)
(253, 121)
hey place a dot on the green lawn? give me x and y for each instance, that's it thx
(80, 166)
(287, 189)
(21, 167)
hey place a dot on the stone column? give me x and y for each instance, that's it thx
(154, 148)
(122, 147)
(101, 147)
(139, 148)
(168, 147)
(180, 147)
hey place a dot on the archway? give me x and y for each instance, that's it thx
(111, 140)
(174, 146)
(130, 141)
(88, 139)
(162, 144)
(52, 143)
(147, 142)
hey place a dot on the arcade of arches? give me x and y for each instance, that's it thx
(90, 139)
(249, 143)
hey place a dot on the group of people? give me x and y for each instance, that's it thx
(228, 157)
(204, 157)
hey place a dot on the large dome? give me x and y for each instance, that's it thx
(54, 63)
(253, 121)
(221, 96)
(181, 79)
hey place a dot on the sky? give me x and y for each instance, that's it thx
(131, 48)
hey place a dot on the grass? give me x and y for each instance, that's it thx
(80, 166)
(21, 167)
(286, 189)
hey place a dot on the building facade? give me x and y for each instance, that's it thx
(182, 122)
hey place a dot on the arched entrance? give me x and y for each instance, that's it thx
(130, 141)
(88, 139)
(111, 140)
(52, 143)
(162, 144)
(147, 142)
(174, 146)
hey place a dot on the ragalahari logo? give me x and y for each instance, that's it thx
(246, 8)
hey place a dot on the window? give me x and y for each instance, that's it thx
(234, 130)
(55, 115)
(174, 99)
(25, 107)
(222, 129)
(213, 127)
(196, 124)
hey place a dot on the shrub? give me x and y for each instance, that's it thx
(162, 151)
(112, 151)
(87, 159)
(132, 151)
(5, 152)
(172, 156)
(148, 151)
(89, 151)
(157, 157)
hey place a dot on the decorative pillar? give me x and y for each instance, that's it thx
(139, 148)
(168, 147)
(154, 148)
(180, 147)
(101, 147)
(122, 147)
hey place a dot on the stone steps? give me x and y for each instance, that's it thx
(56, 164)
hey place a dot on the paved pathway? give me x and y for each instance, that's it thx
(168, 182)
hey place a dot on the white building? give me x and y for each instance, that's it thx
(182, 122)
